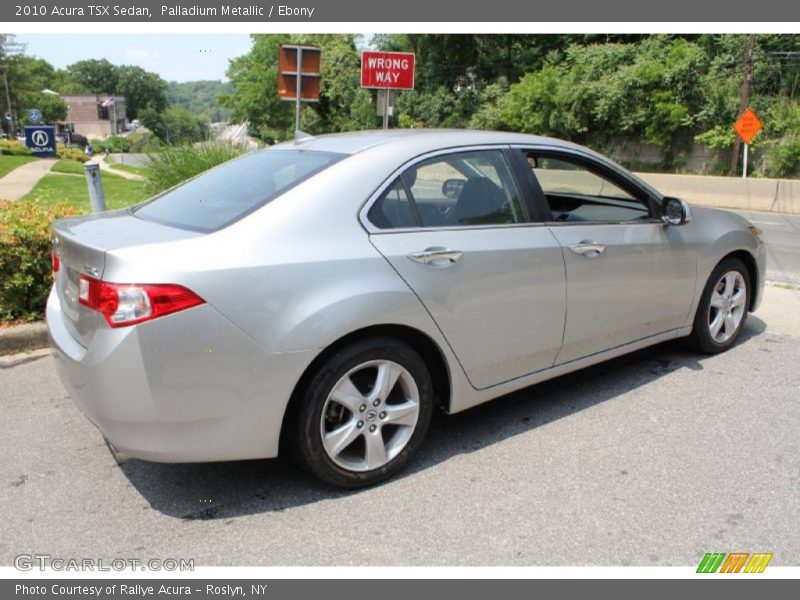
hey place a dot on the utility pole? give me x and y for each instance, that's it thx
(12, 128)
(745, 98)
(8, 47)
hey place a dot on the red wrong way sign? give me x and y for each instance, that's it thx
(389, 70)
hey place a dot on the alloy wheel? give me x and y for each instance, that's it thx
(727, 307)
(369, 415)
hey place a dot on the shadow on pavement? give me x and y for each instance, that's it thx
(233, 489)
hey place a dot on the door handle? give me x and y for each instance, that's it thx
(587, 248)
(437, 256)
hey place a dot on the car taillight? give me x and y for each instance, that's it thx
(125, 304)
(54, 255)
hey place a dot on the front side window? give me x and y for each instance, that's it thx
(453, 190)
(228, 192)
(575, 193)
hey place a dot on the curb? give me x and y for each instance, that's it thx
(24, 338)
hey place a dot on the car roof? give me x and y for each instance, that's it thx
(421, 140)
(409, 143)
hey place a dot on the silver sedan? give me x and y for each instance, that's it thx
(323, 296)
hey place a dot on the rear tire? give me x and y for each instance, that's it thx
(364, 414)
(723, 307)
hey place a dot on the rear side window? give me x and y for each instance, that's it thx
(232, 190)
(393, 210)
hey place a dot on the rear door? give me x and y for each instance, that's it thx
(456, 228)
(629, 276)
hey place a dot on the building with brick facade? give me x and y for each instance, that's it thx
(94, 115)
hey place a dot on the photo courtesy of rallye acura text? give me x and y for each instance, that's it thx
(322, 297)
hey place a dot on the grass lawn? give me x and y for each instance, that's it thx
(9, 163)
(68, 166)
(72, 190)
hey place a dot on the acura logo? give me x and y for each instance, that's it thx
(40, 138)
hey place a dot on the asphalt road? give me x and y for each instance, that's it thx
(654, 459)
(782, 234)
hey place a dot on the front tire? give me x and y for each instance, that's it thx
(723, 307)
(364, 414)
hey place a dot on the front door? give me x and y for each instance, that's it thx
(629, 276)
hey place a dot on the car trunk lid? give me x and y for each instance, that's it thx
(81, 245)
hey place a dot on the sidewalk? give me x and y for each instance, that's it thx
(104, 166)
(21, 180)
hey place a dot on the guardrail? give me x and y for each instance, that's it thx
(769, 195)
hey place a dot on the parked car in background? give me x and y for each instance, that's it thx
(324, 296)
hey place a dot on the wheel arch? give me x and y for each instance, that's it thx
(752, 270)
(426, 347)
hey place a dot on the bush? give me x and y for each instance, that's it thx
(175, 125)
(143, 142)
(71, 153)
(784, 157)
(25, 263)
(16, 151)
(175, 164)
(115, 143)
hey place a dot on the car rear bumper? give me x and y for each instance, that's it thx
(187, 387)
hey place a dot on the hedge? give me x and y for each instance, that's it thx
(25, 261)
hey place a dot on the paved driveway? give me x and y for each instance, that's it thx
(654, 459)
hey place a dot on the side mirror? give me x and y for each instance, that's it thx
(675, 211)
(451, 188)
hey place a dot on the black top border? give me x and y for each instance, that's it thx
(364, 11)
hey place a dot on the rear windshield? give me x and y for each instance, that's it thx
(229, 192)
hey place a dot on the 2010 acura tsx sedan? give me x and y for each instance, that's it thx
(323, 296)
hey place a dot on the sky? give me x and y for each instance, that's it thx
(176, 57)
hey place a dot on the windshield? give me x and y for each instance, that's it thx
(227, 193)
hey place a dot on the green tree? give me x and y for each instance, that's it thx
(200, 98)
(52, 106)
(27, 77)
(254, 77)
(142, 89)
(175, 125)
(655, 90)
(343, 104)
(93, 76)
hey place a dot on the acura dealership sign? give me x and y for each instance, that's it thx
(41, 139)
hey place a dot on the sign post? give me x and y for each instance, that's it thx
(298, 76)
(746, 127)
(97, 196)
(386, 109)
(385, 105)
(387, 71)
